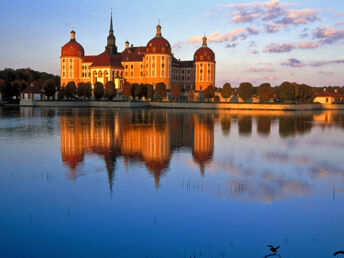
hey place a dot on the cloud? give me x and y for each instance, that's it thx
(323, 62)
(328, 35)
(177, 45)
(253, 51)
(231, 45)
(272, 27)
(270, 78)
(253, 44)
(340, 23)
(303, 16)
(231, 36)
(307, 45)
(271, 10)
(279, 48)
(287, 46)
(293, 62)
(209, 14)
(258, 70)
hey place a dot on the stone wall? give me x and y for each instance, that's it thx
(178, 105)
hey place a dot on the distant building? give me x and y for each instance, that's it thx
(326, 97)
(31, 92)
(149, 64)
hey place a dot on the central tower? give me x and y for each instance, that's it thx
(111, 40)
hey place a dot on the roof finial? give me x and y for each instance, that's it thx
(72, 33)
(158, 29)
(111, 27)
(158, 21)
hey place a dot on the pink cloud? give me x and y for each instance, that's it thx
(272, 27)
(327, 34)
(177, 45)
(307, 45)
(270, 78)
(303, 16)
(231, 36)
(287, 46)
(279, 48)
(293, 62)
(257, 70)
(321, 63)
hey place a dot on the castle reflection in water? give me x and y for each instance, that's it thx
(139, 136)
(150, 137)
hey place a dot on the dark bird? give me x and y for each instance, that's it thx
(338, 252)
(273, 249)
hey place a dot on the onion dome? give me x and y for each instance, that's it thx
(72, 48)
(158, 44)
(204, 53)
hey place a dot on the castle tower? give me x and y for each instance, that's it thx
(204, 59)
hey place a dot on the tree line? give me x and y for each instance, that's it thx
(13, 81)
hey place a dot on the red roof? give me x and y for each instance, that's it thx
(133, 54)
(107, 59)
(182, 64)
(72, 48)
(89, 59)
(158, 44)
(31, 89)
(204, 54)
(329, 94)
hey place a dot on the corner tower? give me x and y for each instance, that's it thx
(204, 59)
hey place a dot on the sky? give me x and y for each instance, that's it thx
(256, 41)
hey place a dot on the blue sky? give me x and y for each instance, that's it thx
(260, 41)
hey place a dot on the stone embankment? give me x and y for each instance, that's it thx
(178, 105)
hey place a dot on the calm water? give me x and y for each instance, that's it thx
(157, 183)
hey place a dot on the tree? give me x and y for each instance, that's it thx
(126, 90)
(135, 90)
(81, 89)
(286, 91)
(226, 91)
(175, 91)
(110, 91)
(160, 91)
(150, 92)
(144, 91)
(70, 90)
(49, 87)
(98, 90)
(265, 92)
(245, 91)
(209, 92)
(3, 87)
(88, 90)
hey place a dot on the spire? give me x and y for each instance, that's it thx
(111, 27)
(111, 40)
(72, 34)
(204, 41)
(158, 29)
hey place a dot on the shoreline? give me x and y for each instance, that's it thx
(178, 105)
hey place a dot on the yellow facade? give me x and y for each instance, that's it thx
(149, 64)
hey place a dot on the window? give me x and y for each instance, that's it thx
(126, 66)
(70, 60)
(162, 65)
(208, 65)
(63, 60)
(132, 66)
(63, 74)
(154, 49)
(126, 74)
(70, 75)
(201, 64)
(162, 58)
(132, 74)
(201, 71)
(71, 67)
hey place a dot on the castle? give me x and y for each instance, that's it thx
(148, 64)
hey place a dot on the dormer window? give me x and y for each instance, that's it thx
(162, 49)
(154, 49)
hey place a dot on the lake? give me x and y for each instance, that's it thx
(170, 183)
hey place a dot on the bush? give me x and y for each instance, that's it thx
(286, 91)
(175, 91)
(88, 90)
(209, 92)
(49, 87)
(150, 91)
(81, 89)
(126, 90)
(110, 90)
(245, 91)
(98, 90)
(70, 90)
(160, 91)
(265, 92)
(226, 91)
